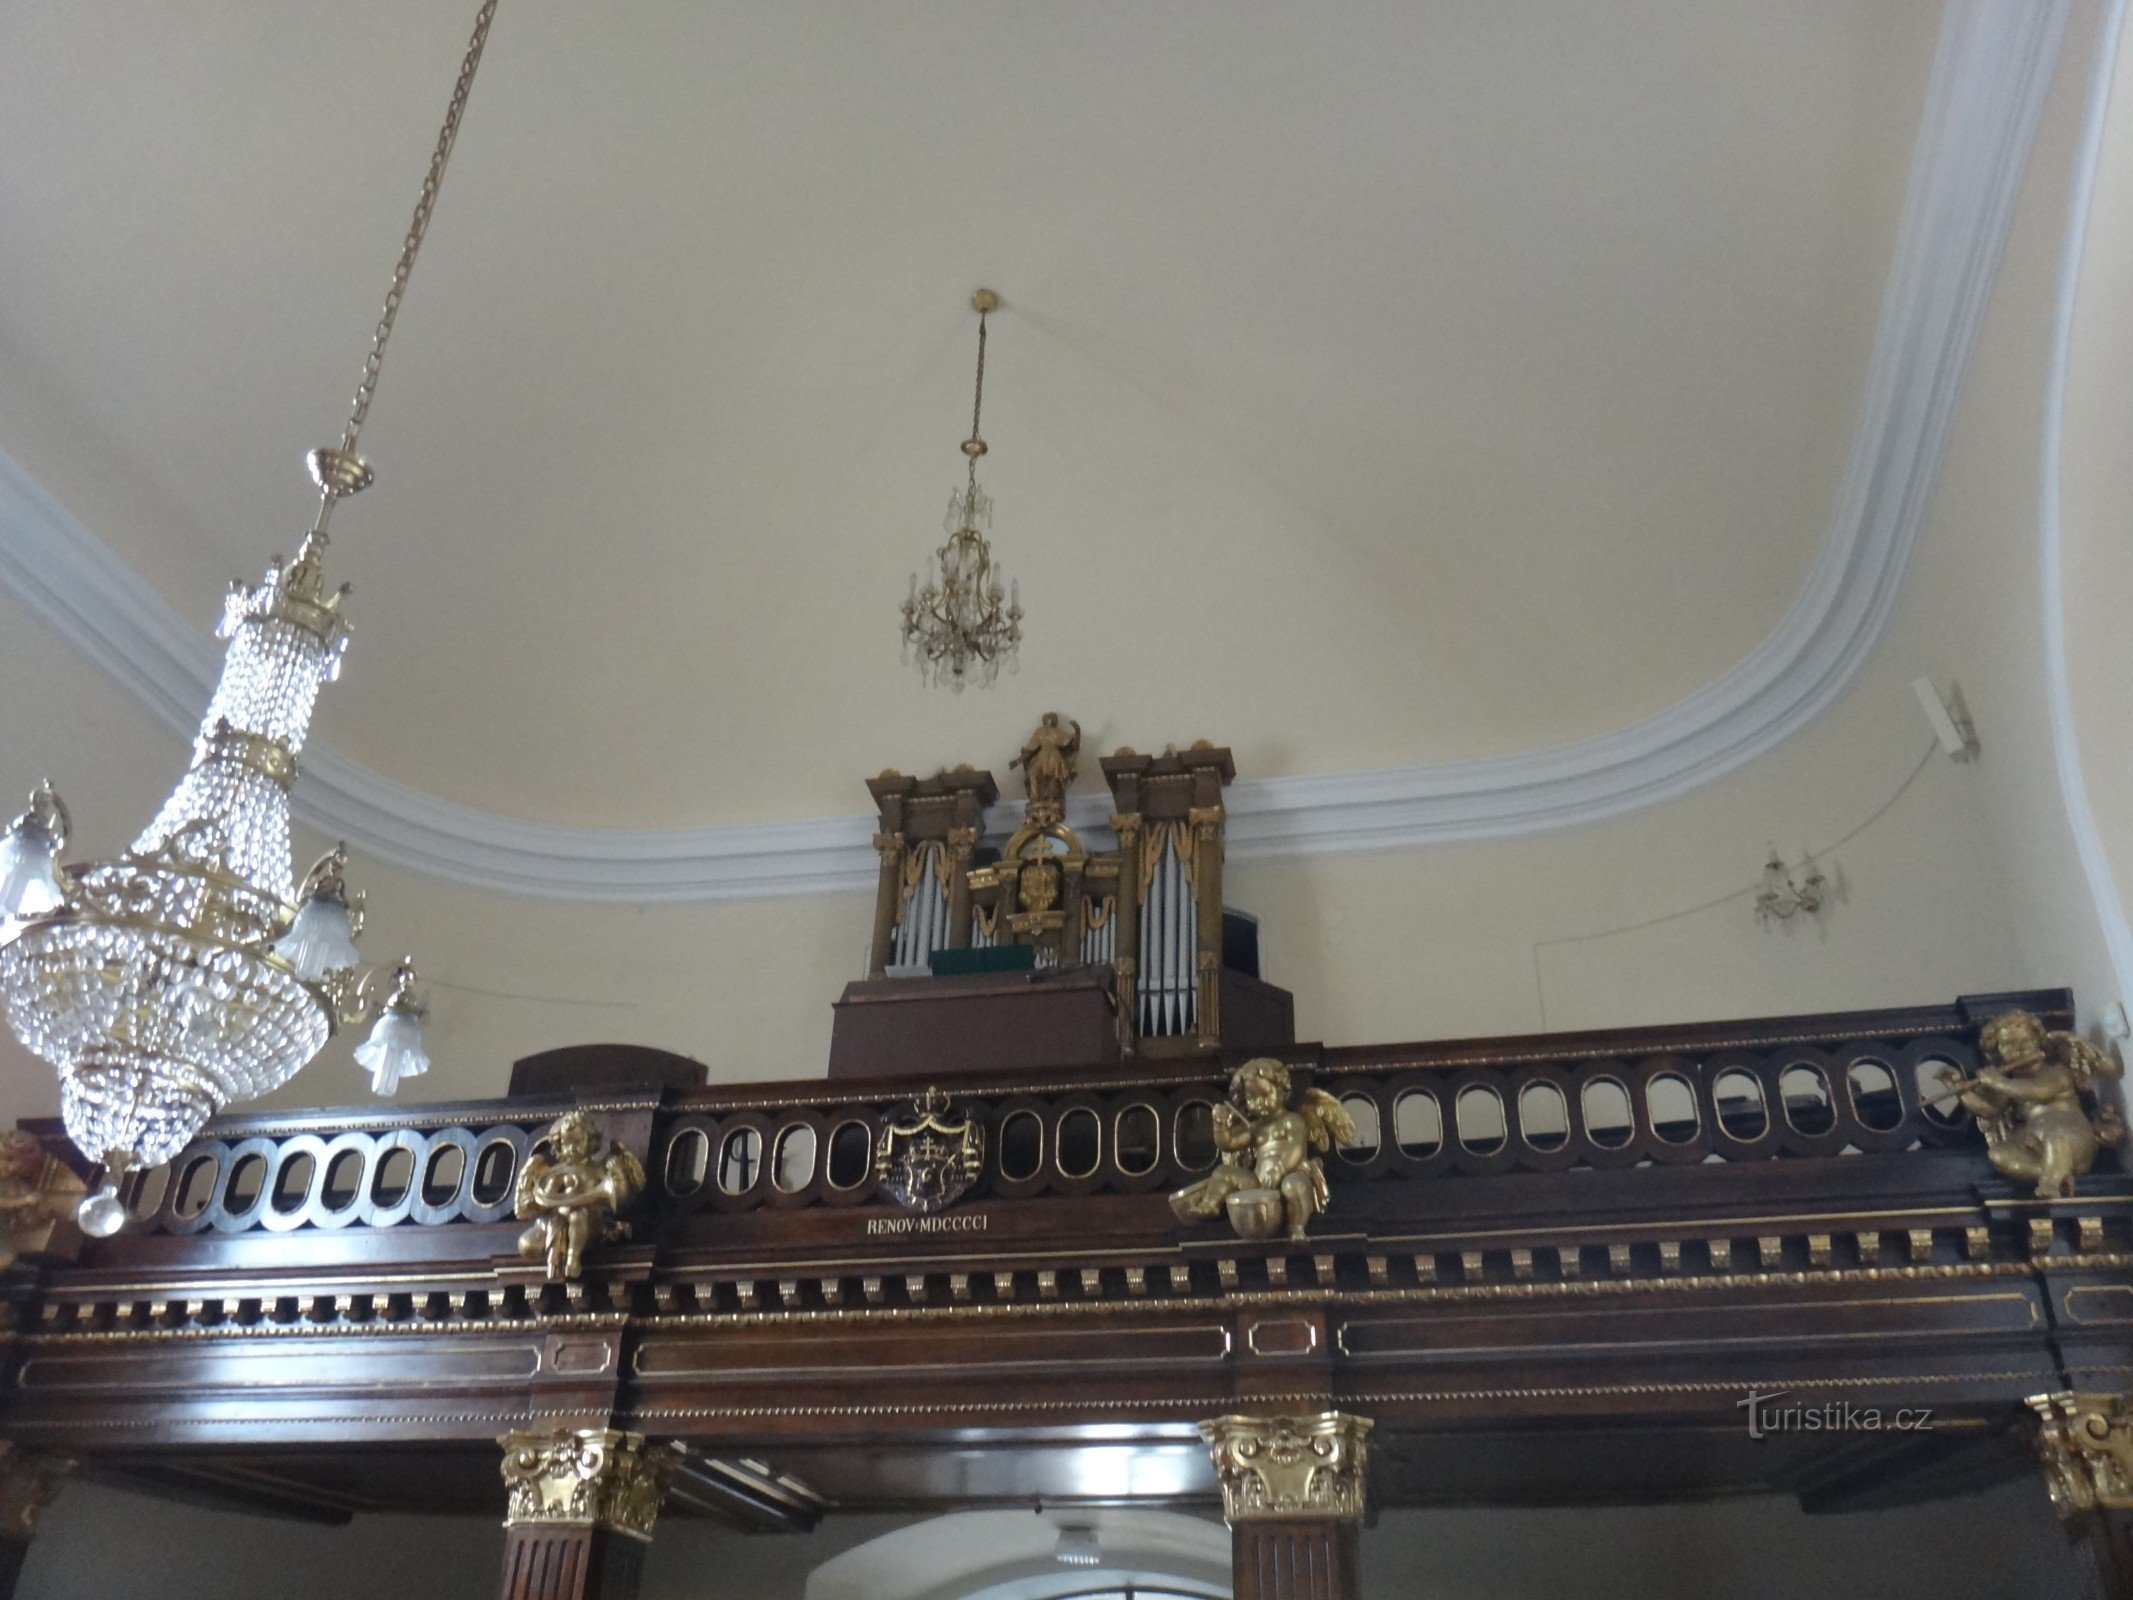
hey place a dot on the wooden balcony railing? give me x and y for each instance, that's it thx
(1789, 1090)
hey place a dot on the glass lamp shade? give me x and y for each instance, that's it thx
(102, 1214)
(29, 874)
(394, 1049)
(321, 938)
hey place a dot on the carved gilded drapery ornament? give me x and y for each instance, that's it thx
(1268, 1176)
(1289, 1466)
(585, 1477)
(2040, 1100)
(2085, 1443)
(572, 1190)
(928, 1160)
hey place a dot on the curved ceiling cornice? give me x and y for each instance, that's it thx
(1991, 70)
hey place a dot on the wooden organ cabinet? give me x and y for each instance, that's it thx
(1137, 917)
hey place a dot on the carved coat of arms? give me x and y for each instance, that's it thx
(928, 1160)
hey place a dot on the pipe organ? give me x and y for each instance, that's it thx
(1146, 903)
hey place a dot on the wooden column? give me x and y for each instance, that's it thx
(1126, 922)
(1207, 934)
(887, 897)
(582, 1505)
(1293, 1495)
(28, 1484)
(2085, 1446)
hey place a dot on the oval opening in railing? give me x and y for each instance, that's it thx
(1363, 1112)
(1805, 1095)
(1543, 1116)
(246, 1180)
(292, 1184)
(1671, 1104)
(344, 1182)
(793, 1160)
(395, 1175)
(196, 1186)
(688, 1162)
(1081, 1139)
(851, 1150)
(1610, 1121)
(1875, 1100)
(740, 1159)
(1193, 1135)
(494, 1166)
(1742, 1113)
(1931, 1077)
(1021, 1146)
(1478, 1114)
(1417, 1124)
(441, 1178)
(1135, 1140)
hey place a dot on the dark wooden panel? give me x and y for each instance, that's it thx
(1300, 1560)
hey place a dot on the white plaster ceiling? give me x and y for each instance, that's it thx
(1379, 386)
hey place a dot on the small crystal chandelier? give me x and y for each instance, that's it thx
(193, 970)
(1779, 899)
(963, 624)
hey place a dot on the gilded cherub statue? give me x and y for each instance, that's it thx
(2028, 1101)
(1268, 1174)
(573, 1184)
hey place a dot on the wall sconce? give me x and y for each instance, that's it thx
(1780, 899)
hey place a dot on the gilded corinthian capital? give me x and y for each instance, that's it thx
(1306, 1466)
(585, 1477)
(2085, 1443)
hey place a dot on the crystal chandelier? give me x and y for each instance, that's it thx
(194, 970)
(963, 624)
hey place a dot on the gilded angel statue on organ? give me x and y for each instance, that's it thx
(573, 1184)
(1268, 1176)
(2028, 1101)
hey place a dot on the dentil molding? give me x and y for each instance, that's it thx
(1992, 68)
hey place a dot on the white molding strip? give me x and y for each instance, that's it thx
(2066, 744)
(1992, 67)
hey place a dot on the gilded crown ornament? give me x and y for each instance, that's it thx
(963, 624)
(193, 971)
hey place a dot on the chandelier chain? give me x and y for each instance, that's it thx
(976, 446)
(417, 227)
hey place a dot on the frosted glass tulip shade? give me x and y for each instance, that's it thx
(394, 1049)
(321, 938)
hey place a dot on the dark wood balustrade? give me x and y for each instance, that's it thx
(1609, 1237)
(1748, 1092)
